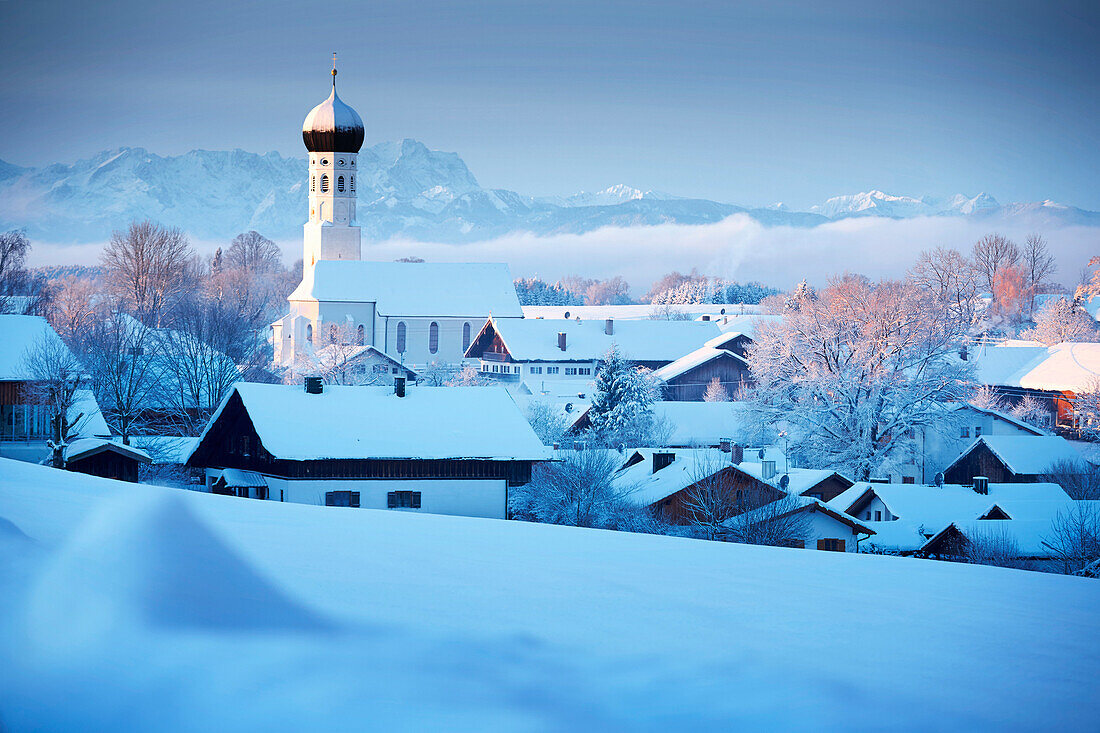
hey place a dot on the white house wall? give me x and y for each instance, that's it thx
(822, 526)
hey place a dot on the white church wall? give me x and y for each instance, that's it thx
(417, 350)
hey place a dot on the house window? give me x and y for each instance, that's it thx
(379, 369)
(867, 516)
(340, 184)
(465, 336)
(964, 432)
(403, 500)
(908, 479)
(324, 183)
(401, 337)
(831, 545)
(433, 337)
(570, 371)
(977, 431)
(535, 370)
(309, 333)
(342, 498)
(360, 335)
(551, 370)
(585, 371)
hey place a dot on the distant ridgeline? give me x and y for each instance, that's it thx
(405, 189)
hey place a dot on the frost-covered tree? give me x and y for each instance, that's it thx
(951, 277)
(993, 546)
(1061, 320)
(253, 252)
(533, 291)
(577, 490)
(991, 255)
(467, 376)
(122, 356)
(986, 398)
(763, 518)
(56, 376)
(16, 280)
(150, 268)
(1074, 539)
(437, 374)
(620, 412)
(1031, 411)
(1086, 410)
(547, 421)
(858, 369)
(1038, 264)
(716, 392)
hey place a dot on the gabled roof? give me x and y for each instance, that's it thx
(692, 360)
(805, 504)
(17, 335)
(88, 447)
(536, 339)
(1064, 367)
(373, 422)
(955, 407)
(1026, 454)
(326, 355)
(471, 290)
(700, 423)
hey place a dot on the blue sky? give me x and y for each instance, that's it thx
(748, 103)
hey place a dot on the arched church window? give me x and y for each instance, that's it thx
(433, 337)
(340, 184)
(313, 183)
(360, 335)
(401, 337)
(324, 183)
(465, 336)
(309, 333)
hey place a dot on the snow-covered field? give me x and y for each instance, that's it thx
(137, 608)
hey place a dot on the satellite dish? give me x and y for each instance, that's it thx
(785, 482)
(761, 454)
(939, 479)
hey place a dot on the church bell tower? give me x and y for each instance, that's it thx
(333, 135)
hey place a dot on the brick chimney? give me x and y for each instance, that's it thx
(561, 340)
(314, 385)
(399, 386)
(609, 326)
(737, 454)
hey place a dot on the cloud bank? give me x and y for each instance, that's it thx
(736, 248)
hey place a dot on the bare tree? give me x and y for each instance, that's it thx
(56, 377)
(1074, 538)
(255, 253)
(120, 353)
(15, 280)
(766, 520)
(987, 398)
(333, 359)
(72, 308)
(546, 420)
(992, 254)
(951, 278)
(993, 546)
(714, 497)
(467, 376)
(578, 490)
(149, 268)
(1079, 479)
(1038, 265)
(716, 392)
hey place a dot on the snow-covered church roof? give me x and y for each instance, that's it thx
(460, 289)
(373, 422)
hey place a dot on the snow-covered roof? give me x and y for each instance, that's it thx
(334, 355)
(691, 360)
(642, 312)
(803, 504)
(747, 324)
(934, 507)
(459, 289)
(700, 423)
(1068, 366)
(373, 422)
(17, 335)
(166, 449)
(91, 422)
(85, 447)
(1026, 454)
(536, 339)
(1034, 430)
(237, 478)
(1029, 534)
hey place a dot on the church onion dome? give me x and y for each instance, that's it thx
(332, 126)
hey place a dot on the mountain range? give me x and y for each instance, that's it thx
(405, 190)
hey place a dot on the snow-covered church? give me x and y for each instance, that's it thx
(416, 312)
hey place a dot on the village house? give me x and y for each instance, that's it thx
(905, 517)
(104, 457)
(440, 450)
(663, 481)
(721, 358)
(1011, 459)
(533, 350)
(359, 364)
(24, 421)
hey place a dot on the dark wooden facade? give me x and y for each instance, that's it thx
(730, 370)
(981, 461)
(232, 442)
(107, 464)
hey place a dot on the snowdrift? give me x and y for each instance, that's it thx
(138, 607)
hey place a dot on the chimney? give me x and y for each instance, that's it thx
(660, 460)
(314, 385)
(767, 470)
(724, 444)
(561, 340)
(399, 386)
(706, 317)
(737, 454)
(981, 484)
(962, 352)
(609, 327)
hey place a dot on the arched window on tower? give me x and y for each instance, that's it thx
(324, 183)
(401, 337)
(353, 184)
(309, 333)
(465, 336)
(313, 183)
(340, 184)
(433, 337)
(360, 335)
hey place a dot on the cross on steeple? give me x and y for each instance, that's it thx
(334, 69)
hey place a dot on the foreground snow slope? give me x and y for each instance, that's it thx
(139, 607)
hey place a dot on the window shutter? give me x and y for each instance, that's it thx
(416, 499)
(391, 500)
(328, 498)
(354, 499)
